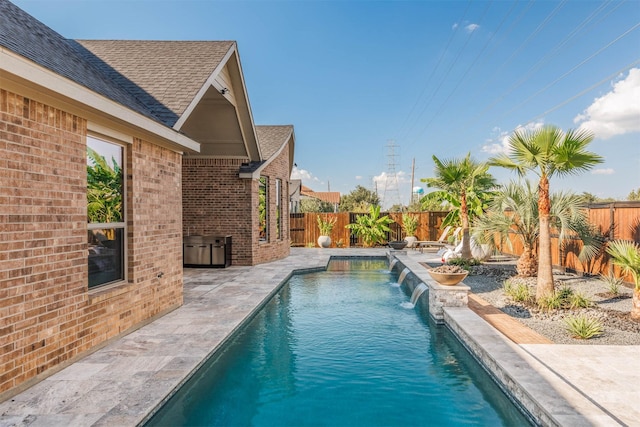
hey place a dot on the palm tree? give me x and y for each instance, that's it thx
(515, 209)
(547, 152)
(626, 255)
(461, 180)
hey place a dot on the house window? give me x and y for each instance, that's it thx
(263, 208)
(105, 211)
(279, 209)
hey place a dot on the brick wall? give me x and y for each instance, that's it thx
(47, 315)
(217, 202)
(275, 248)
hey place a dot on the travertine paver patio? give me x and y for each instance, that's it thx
(123, 382)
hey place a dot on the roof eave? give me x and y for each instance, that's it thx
(24, 69)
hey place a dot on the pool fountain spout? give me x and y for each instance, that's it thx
(419, 290)
(403, 275)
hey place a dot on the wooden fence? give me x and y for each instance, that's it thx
(304, 227)
(617, 220)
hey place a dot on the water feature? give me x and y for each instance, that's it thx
(403, 275)
(334, 349)
(419, 290)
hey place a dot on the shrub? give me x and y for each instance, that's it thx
(464, 263)
(550, 302)
(578, 300)
(583, 327)
(326, 226)
(410, 224)
(518, 292)
(613, 283)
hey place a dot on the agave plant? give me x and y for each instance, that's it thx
(626, 255)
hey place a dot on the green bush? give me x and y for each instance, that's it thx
(583, 327)
(464, 263)
(550, 302)
(613, 283)
(517, 292)
(578, 300)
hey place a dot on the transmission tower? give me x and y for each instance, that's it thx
(391, 185)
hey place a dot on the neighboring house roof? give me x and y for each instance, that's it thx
(165, 75)
(332, 197)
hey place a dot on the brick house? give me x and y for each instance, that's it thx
(101, 145)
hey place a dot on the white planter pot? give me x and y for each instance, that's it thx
(411, 241)
(324, 241)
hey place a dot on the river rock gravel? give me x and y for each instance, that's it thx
(613, 312)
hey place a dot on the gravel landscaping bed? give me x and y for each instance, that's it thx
(613, 312)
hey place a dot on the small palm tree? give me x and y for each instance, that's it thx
(547, 152)
(626, 255)
(462, 180)
(515, 209)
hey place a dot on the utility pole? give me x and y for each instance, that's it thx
(413, 168)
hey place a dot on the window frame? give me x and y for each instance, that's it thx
(120, 225)
(263, 185)
(278, 207)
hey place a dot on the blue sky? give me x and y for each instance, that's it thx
(429, 77)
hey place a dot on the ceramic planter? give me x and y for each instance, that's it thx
(324, 241)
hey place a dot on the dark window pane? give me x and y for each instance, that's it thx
(106, 247)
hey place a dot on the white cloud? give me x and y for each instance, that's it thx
(358, 177)
(500, 142)
(471, 27)
(387, 186)
(605, 171)
(617, 112)
(454, 26)
(304, 175)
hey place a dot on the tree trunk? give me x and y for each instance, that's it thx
(545, 269)
(464, 216)
(527, 265)
(635, 306)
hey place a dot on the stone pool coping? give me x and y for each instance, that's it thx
(123, 382)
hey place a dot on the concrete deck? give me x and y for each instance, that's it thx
(120, 384)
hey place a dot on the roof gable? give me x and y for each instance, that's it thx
(272, 138)
(164, 75)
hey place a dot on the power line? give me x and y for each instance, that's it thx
(433, 71)
(572, 70)
(590, 88)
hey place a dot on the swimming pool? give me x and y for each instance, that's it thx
(340, 348)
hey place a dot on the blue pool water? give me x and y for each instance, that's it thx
(341, 348)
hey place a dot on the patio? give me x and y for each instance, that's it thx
(121, 383)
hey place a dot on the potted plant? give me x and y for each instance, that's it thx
(325, 227)
(372, 228)
(448, 275)
(410, 226)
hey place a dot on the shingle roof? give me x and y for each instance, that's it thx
(165, 75)
(155, 78)
(272, 138)
(332, 197)
(25, 35)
